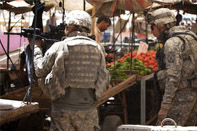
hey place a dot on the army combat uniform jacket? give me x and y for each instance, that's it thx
(74, 74)
(176, 79)
(76, 62)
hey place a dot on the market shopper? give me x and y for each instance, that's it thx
(75, 76)
(177, 68)
(103, 22)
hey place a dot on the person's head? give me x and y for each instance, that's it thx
(77, 20)
(103, 23)
(161, 20)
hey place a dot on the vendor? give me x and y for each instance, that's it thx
(102, 24)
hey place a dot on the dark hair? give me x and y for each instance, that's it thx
(178, 19)
(105, 18)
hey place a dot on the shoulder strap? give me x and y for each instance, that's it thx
(184, 33)
(178, 34)
(194, 76)
(82, 37)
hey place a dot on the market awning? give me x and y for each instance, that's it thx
(113, 7)
(20, 6)
(76, 5)
(189, 6)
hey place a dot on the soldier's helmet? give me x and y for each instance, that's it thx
(161, 17)
(79, 18)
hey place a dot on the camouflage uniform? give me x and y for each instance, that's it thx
(68, 120)
(179, 93)
(68, 68)
(177, 76)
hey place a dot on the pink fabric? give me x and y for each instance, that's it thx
(16, 41)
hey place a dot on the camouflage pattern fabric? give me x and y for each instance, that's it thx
(74, 66)
(77, 63)
(161, 17)
(80, 18)
(179, 72)
(68, 120)
(47, 70)
(183, 111)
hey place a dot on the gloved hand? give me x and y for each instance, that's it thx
(48, 78)
(163, 111)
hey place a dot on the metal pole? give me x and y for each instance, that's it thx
(121, 32)
(133, 29)
(8, 57)
(8, 39)
(146, 33)
(28, 95)
(132, 39)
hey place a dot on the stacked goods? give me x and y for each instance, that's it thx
(148, 59)
(117, 70)
(145, 63)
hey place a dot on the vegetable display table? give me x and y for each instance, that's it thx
(143, 96)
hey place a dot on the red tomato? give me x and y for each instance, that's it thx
(155, 69)
(146, 59)
(148, 53)
(143, 55)
(134, 54)
(140, 57)
(146, 63)
(121, 60)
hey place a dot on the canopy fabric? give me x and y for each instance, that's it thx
(76, 5)
(188, 6)
(20, 7)
(167, 1)
(112, 7)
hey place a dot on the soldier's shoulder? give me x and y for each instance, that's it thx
(173, 41)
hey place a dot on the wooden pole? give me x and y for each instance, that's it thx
(93, 17)
(125, 111)
(84, 5)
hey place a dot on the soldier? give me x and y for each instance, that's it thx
(177, 68)
(75, 76)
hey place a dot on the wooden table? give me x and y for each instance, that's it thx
(11, 110)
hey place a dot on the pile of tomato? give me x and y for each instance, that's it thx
(147, 58)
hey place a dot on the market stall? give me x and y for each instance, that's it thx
(131, 70)
(12, 110)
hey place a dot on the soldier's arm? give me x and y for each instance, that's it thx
(103, 78)
(174, 64)
(43, 64)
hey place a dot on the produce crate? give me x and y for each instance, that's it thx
(116, 81)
